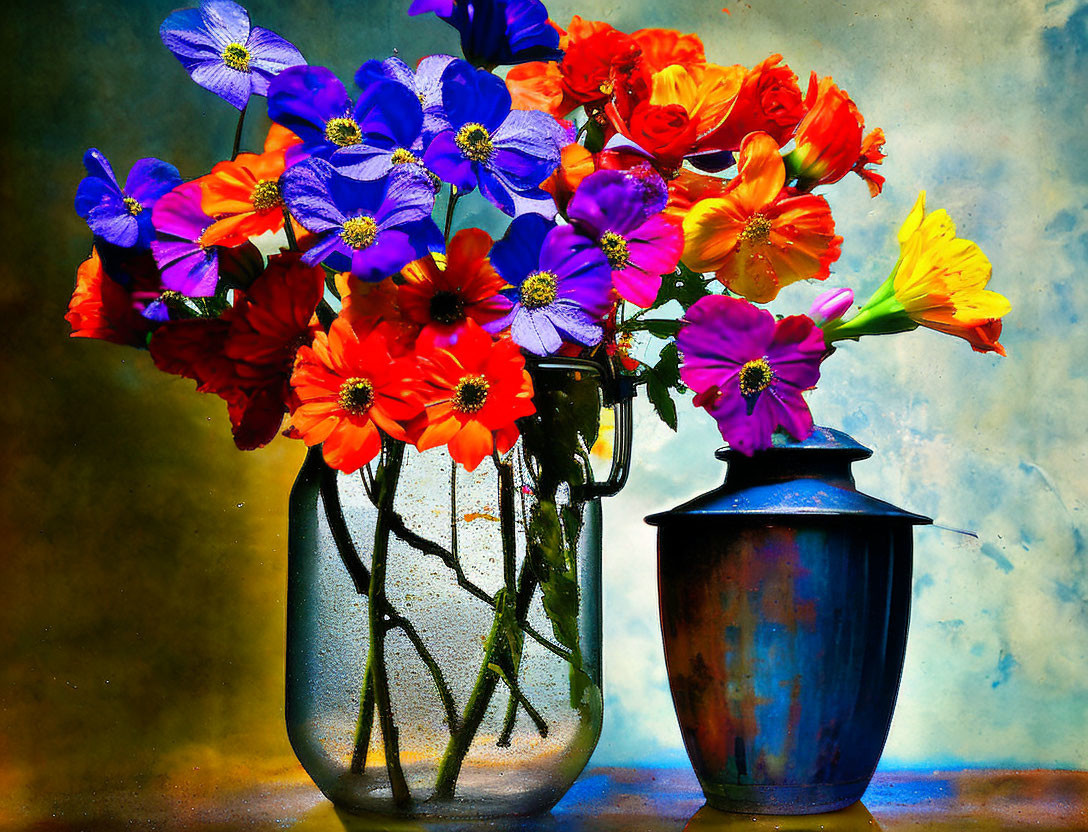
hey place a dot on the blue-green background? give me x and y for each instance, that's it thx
(142, 580)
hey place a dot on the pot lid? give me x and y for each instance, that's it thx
(810, 477)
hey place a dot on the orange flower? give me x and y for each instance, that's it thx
(538, 85)
(102, 308)
(829, 140)
(244, 195)
(349, 390)
(476, 390)
(441, 293)
(666, 47)
(768, 101)
(689, 188)
(758, 238)
(576, 163)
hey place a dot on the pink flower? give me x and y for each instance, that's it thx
(749, 370)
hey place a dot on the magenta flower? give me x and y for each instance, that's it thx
(831, 305)
(749, 370)
(187, 266)
(619, 211)
(223, 53)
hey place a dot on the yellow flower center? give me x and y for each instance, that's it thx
(474, 142)
(134, 207)
(359, 232)
(236, 57)
(404, 157)
(470, 394)
(447, 307)
(266, 195)
(755, 377)
(614, 247)
(356, 396)
(343, 131)
(538, 290)
(757, 230)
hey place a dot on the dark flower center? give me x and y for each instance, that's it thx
(470, 394)
(401, 156)
(474, 142)
(343, 131)
(266, 195)
(614, 247)
(538, 290)
(359, 232)
(447, 307)
(133, 205)
(356, 396)
(757, 230)
(236, 56)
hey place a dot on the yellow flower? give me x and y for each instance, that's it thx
(939, 282)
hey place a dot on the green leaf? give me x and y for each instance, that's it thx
(594, 136)
(658, 327)
(683, 285)
(667, 367)
(658, 393)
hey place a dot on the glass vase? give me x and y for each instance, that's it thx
(444, 627)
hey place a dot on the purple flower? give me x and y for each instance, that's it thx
(498, 32)
(619, 212)
(507, 153)
(749, 370)
(187, 266)
(122, 216)
(557, 292)
(425, 83)
(363, 141)
(370, 228)
(223, 53)
(831, 305)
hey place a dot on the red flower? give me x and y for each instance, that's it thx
(666, 47)
(246, 355)
(102, 308)
(440, 297)
(665, 131)
(872, 153)
(476, 390)
(349, 390)
(769, 101)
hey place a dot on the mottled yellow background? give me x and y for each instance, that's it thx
(143, 570)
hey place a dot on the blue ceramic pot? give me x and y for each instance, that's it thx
(785, 597)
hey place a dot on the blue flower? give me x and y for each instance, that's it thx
(507, 153)
(558, 291)
(370, 228)
(122, 216)
(498, 32)
(223, 53)
(363, 141)
(425, 83)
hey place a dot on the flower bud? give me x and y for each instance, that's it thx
(831, 305)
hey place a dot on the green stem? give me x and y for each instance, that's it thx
(292, 243)
(509, 551)
(450, 206)
(366, 722)
(386, 485)
(238, 134)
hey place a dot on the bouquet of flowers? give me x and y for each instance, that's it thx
(655, 200)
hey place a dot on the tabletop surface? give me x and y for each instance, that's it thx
(603, 800)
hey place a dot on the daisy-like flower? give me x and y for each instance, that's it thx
(371, 229)
(558, 290)
(363, 140)
(188, 264)
(349, 390)
(620, 212)
(476, 389)
(441, 293)
(244, 195)
(507, 153)
(939, 282)
(223, 53)
(749, 370)
(829, 139)
(122, 216)
(758, 238)
(498, 32)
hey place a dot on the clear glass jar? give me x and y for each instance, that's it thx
(444, 627)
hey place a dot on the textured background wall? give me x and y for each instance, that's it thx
(141, 622)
